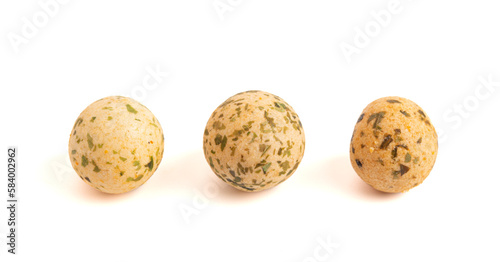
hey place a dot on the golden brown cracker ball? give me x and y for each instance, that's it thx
(116, 144)
(394, 145)
(254, 141)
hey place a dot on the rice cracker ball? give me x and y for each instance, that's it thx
(254, 141)
(394, 145)
(116, 144)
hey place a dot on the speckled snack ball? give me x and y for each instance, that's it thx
(116, 144)
(394, 145)
(254, 141)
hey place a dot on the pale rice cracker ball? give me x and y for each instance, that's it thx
(254, 141)
(116, 144)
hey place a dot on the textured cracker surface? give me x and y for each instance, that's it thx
(116, 144)
(254, 141)
(394, 145)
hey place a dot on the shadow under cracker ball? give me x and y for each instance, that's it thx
(116, 144)
(394, 145)
(254, 141)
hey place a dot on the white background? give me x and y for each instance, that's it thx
(432, 52)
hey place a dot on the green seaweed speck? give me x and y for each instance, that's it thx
(218, 125)
(266, 167)
(404, 113)
(78, 122)
(264, 148)
(407, 158)
(90, 141)
(131, 109)
(85, 161)
(378, 118)
(135, 179)
(96, 168)
(150, 164)
(285, 166)
(137, 164)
